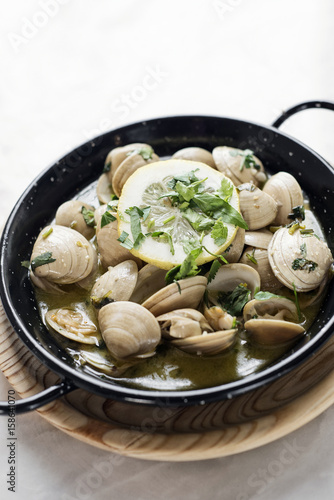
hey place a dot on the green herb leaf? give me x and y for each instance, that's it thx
(304, 265)
(219, 233)
(187, 179)
(106, 218)
(163, 235)
(216, 264)
(190, 244)
(234, 302)
(251, 256)
(88, 216)
(248, 160)
(25, 263)
(267, 296)
(146, 152)
(125, 240)
(226, 189)
(219, 208)
(186, 269)
(198, 221)
(135, 215)
(41, 260)
(297, 303)
(298, 212)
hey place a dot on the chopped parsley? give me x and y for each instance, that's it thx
(234, 302)
(248, 160)
(146, 152)
(219, 233)
(186, 269)
(41, 260)
(298, 212)
(251, 257)
(303, 264)
(106, 218)
(88, 216)
(136, 214)
(125, 240)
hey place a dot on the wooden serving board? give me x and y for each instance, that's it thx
(74, 414)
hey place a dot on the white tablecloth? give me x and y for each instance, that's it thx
(72, 69)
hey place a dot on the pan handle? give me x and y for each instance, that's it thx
(37, 400)
(300, 107)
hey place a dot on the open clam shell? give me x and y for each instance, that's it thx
(150, 279)
(273, 331)
(207, 343)
(185, 293)
(231, 275)
(72, 324)
(183, 323)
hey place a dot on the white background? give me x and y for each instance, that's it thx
(72, 69)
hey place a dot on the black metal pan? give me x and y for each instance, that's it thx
(79, 168)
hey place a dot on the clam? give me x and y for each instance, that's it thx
(276, 307)
(72, 324)
(185, 293)
(87, 282)
(233, 252)
(258, 239)
(128, 166)
(299, 262)
(117, 155)
(239, 165)
(273, 331)
(129, 330)
(271, 321)
(117, 283)
(195, 154)
(207, 343)
(101, 363)
(77, 215)
(258, 259)
(103, 189)
(46, 286)
(150, 279)
(284, 188)
(182, 323)
(62, 255)
(231, 275)
(219, 319)
(258, 208)
(110, 250)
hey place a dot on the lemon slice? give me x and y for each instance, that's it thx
(169, 215)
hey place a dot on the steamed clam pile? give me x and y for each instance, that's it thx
(119, 310)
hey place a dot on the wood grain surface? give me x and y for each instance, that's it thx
(174, 434)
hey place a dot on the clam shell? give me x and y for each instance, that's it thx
(258, 208)
(207, 343)
(268, 280)
(258, 239)
(170, 298)
(230, 163)
(284, 188)
(128, 329)
(72, 324)
(231, 275)
(117, 155)
(69, 215)
(117, 283)
(127, 168)
(273, 331)
(283, 251)
(74, 255)
(195, 154)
